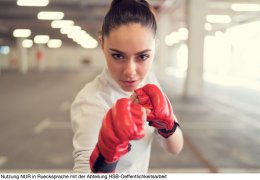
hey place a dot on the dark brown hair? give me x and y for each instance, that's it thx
(124, 12)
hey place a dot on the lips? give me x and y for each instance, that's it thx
(130, 83)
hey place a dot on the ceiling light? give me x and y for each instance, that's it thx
(172, 38)
(218, 18)
(21, 32)
(78, 35)
(91, 44)
(245, 7)
(50, 15)
(183, 34)
(54, 43)
(61, 23)
(41, 39)
(32, 2)
(84, 39)
(208, 26)
(27, 43)
(67, 30)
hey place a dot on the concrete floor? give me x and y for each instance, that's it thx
(221, 128)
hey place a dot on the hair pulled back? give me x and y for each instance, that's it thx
(123, 12)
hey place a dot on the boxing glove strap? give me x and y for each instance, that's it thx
(167, 133)
(103, 167)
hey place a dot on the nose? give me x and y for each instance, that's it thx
(130, 68)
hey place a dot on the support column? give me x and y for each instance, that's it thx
(40, 57)
(162, 56)
(196, 12)
(22, 56)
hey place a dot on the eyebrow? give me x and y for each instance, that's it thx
(121, 52)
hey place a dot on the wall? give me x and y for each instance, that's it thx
(66, 57)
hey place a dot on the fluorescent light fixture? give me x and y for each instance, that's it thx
(78, 35)
(218, 18)
(67, 30)
(175, 37)
(245, 7)
(172, 38)
(21, 32)
(44, 15)
(183, 34)
(32, 2)
(27, 43)
(41, 39)
(85, 40)
(61, 23)
(54, 43)
(90, 44)
(208, 26)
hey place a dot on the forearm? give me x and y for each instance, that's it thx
(81, 160)
(174, 143)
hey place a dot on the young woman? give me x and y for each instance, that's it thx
(116, 116)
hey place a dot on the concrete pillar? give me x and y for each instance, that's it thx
(40, 57)
(22, 56)
(162, 55)
(196, 12)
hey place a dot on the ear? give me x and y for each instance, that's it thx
(101, 41)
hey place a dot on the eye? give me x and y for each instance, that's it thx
(143, 57)
(117, 56)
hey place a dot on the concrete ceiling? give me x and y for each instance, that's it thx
(89, 14)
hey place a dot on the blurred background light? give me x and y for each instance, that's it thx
(67, 30)
(45, 15)
(54, 43)
(218, 18)
(61, 23)
(32, 2)
(4, 50)
(41, 39)
(27, 43)
(21, 32)
(208, 26)
(176, 37)
(245, 7)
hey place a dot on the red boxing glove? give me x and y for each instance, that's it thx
(161, 115)
(122, 123)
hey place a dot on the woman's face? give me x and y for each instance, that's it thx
(129, 52)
